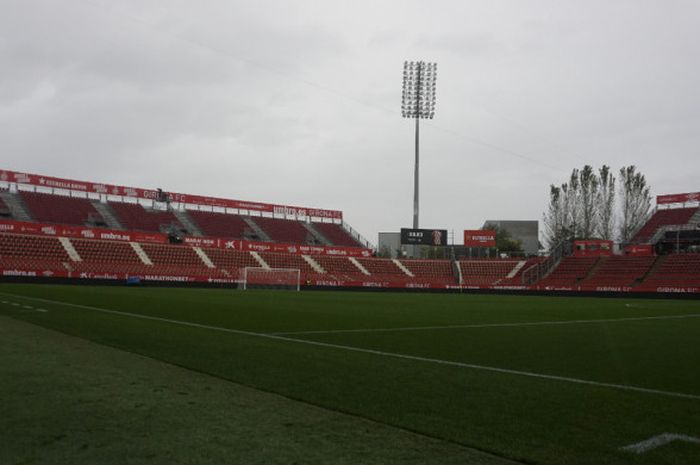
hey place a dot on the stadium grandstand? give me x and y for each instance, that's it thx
(59, 228)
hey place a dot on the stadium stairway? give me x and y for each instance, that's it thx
(594, 269)
(187, 222)
(658, 263)
(313, 264)
(516, 269)
(359, 266)
(108, 215)
(696, 217)
(141, 253)
(205, 258)
(261, 261)
(70, 250)
(402, 267)
(262, 235)
(18, 210)
(317, 234)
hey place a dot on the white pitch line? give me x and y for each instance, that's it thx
(489, 325)
(472, 366)
(658, 441)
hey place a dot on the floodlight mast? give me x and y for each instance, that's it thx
(418, 101)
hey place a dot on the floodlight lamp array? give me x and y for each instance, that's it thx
(418, 94)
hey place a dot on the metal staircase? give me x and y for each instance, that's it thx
(313, 264)
(262, 235)
(14, 203)
(696, 217)
(186, 221)
(320, 238)
(359, 266)
(108, 215)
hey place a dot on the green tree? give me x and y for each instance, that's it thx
(505, 242)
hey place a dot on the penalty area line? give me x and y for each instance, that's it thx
(489, 325)
(380, 353)
(658, 441)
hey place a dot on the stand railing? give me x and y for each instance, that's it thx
(540, 270)
(358, 237)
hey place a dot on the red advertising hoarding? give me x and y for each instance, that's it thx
(480, 238)
(678, 198)
(151, 194)
(10, 272)
(81, 232)
(593, 248)
(640, 250)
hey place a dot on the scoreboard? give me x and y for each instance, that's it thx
(423, 236)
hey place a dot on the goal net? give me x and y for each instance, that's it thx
(270, 278)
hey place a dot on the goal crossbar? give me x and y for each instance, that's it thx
(276, 278)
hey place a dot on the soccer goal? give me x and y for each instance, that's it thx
(270, 278)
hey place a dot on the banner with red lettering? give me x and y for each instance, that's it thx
(593, 248)
(480, 238)
(678, 198)
(152, 194)
(305, 249)
(22, 227)
(331, 281)
(80, 232)
(642, 250)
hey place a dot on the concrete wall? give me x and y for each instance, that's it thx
(389, 240)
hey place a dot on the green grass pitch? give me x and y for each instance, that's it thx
(542, 380)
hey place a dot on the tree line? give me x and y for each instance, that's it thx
(597, 205)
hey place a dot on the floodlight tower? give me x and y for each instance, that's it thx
(418, 101)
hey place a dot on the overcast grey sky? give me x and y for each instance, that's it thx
(298, 102)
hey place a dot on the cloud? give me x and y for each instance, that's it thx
(298, 102)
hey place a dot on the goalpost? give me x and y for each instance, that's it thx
(270, 278)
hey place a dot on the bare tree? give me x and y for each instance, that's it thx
(572, 204)
(554, 217)
(635, 202)
(587, 202)
(605, 200)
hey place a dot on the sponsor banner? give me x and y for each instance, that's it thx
(73, 185)
(423, 236)
(153, 194)
(479, 238)
(678, 198)
(303, 249)
(21, 227)
(379, 284)
(593, 248)
(210, 242)
(642, 250)
(33, 273)
(331, 282)
(80, 232)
